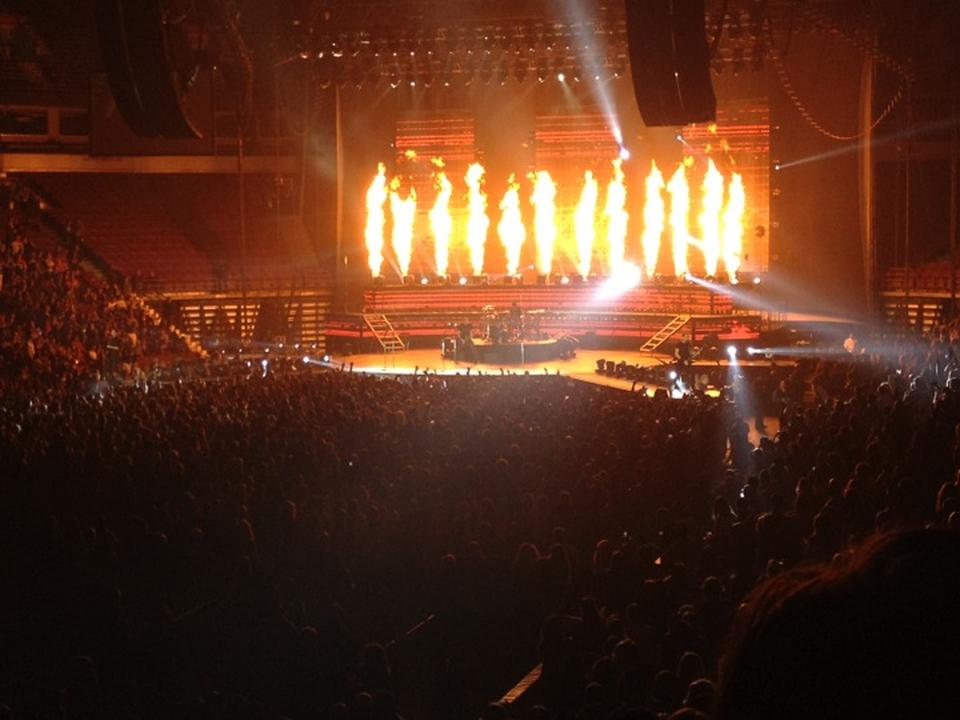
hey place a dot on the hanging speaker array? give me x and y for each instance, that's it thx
(670, 61)
(138, 63)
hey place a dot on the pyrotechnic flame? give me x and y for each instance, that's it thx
(583, 219)
(477, 221)
(510, 228)
(653, 219)
(441, 224)
(617, 218)
(733, 226)
(710, 211)
(544, 219)
(404, 212)
(373, 232)
(679, 210)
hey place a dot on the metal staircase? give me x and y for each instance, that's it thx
(384, 333)
(665, 333)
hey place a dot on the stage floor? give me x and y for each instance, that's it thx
(582, 367)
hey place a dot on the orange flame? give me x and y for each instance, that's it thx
(477, 221)
(373, 232)
(653, 219)
(617, 218)
(404, 212)
(510, 228)
(441, 224)
(544, 219)
(679, 211)
(733, 226)
(710, 211)
(583, 219)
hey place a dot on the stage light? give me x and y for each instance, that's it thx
(564, 280)
(463, 280)
(424, 280)
(776, 166)
(673, 374)
(624, 154)
(326, 358)
(732, 352)
(751, 351)
(561, 77)
(678, 137)
(756, 280)
(306, 359)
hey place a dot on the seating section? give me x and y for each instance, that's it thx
(931, 277)
(123, 219)
(182, 232)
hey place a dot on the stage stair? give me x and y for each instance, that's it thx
(384, 333)
(665, 333)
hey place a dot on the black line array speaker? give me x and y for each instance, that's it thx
(670, 61)
(136, 57)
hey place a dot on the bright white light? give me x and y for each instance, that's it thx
(326, 358)
(463, 280)
(306, 359)
(751, 351)
(625, 278)
(679, 137)
(756, 281)
(624, 154)
(424, 281)
(264, 364)
(564, 280)
(561, 77)
(673, 374)
(731, 351)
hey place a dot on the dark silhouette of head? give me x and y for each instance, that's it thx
(875, 635)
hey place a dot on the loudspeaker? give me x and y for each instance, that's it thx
(670, 61)
(136, 58)
(119, 68)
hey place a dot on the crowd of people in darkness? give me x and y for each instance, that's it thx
(337, 545)
(324, 544)
(63, 326)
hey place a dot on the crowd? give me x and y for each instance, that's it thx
(63, 327)
(337, 545)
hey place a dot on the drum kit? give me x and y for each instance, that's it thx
(511, 326)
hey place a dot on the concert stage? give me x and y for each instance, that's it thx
(423, 316)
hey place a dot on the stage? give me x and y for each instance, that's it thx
(582, 367)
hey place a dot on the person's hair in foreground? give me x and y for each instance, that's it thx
(874, 634)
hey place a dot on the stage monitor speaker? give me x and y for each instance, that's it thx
(670, 61)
